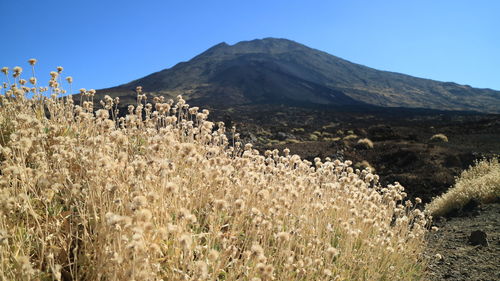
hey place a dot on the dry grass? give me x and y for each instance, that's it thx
(313, 137)
(365, 143)
(350, 137)
(439, 138)
(162, 194)
(480, 182)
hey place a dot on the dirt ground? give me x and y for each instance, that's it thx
(460, 259)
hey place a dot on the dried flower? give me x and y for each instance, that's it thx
(332, 252)
(256, 250)
(185, 241)
(213, 255)
(171, 188)
(17, 71)
(283, 236)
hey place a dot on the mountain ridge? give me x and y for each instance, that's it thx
(281, 71)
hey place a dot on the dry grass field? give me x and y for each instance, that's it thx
(163, 194)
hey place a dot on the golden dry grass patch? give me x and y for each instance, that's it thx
(480, 182)
(160, 193)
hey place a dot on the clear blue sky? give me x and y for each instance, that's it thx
(106, 43)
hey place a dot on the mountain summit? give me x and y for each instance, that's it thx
(281, 71)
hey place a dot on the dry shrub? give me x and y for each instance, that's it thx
(439, 138)
(160, 194)
(334, 139)
(350, 137)
(364, 144)
(480, 182)
(313, 137)
(298, 130)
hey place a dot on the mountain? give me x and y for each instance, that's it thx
(280, 71)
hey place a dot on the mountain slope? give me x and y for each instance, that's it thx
(280, 71)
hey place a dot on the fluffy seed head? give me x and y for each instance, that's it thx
(185, 241)
(213, 255)
(332, 252)
(283, 236)
(17, 71)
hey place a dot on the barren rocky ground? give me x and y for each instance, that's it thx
(461, 259)
(402, 149)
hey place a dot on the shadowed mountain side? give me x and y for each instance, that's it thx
(280, 71)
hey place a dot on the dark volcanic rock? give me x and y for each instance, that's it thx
(283, 136)
(381, 133)
(478, 237)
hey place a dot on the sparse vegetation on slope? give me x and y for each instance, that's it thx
(162, 194)
(280, 71)
(480, 182)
